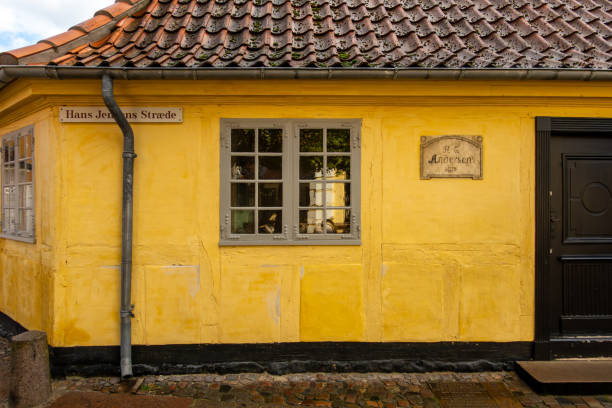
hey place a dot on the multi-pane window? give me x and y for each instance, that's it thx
(290, 182)
(18, 184)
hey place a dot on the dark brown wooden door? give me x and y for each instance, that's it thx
(581, 235)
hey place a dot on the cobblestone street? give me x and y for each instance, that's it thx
(469, 390)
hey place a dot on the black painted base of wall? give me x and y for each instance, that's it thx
(284, 358)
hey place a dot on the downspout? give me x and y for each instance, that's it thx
(126, 225)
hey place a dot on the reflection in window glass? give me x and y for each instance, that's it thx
(338, 140)
(10, 199)
(243, 168)
(311, 222)
(10, 150)
(243, 195)
(22, 147)
(311, 194)
(25, 220)
(311, 167)
(338, 221)
(270, 168)
(270, 222)
(270, 195)
(243, 140)
(9, 174)
(270, 140)
(21, 196)
(28, 146)
(25, 171)
(338, 168)
(243, 222)
(338, 194)
(6, 196)
(311, 140)
(5, 222)
(12, 221)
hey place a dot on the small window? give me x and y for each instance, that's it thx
(290, 182)
(18, 185)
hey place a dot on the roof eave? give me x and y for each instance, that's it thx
(9, 73)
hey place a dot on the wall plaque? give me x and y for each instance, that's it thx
(94, 114)
(451, 156)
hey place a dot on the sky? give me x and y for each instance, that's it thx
(25, 22)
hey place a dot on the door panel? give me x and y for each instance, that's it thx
(588, 182)
(581, 235)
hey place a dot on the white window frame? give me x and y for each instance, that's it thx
(22, 233)
(290, 234)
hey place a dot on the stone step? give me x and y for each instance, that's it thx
(567, 377)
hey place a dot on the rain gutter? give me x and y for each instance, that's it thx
(9, 73)
(125, 312)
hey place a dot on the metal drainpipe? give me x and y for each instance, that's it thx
(126, 225)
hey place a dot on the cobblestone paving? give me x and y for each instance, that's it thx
(375, 390)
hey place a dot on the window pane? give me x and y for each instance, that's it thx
(28, 227)
(5, 151)
(10, 197)
(270, 222)
(243, 222)
(243, 194)
(9, 154)
(12, 221)
(22, 147)
(243, 140)
(311, 167)
(338, 168)
(25, 171)
(270, 168)
(311, 140)
(270, 140)
(28, 146)
(270, 195)
(311, 222)
(338, 221)
(5, 222)
(338, 140)
(21, 220)
(338, 194)
(29, 196)
(9, 174)
(6, 197)
(243, 168)
(311, 194)
(21, 196)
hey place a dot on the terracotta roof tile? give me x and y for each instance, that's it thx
(93, 23)
(63, 38)
(114, 10)
(27, 51)
(349, 33)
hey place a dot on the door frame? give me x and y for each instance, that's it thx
(547, 347)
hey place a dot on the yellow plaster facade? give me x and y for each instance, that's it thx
(440, 260)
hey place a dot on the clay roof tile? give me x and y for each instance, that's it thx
(342, 33)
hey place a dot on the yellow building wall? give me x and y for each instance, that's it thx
(440, 260)
(27, 270)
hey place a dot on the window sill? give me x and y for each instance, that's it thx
(306, 242)
(18, 238)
